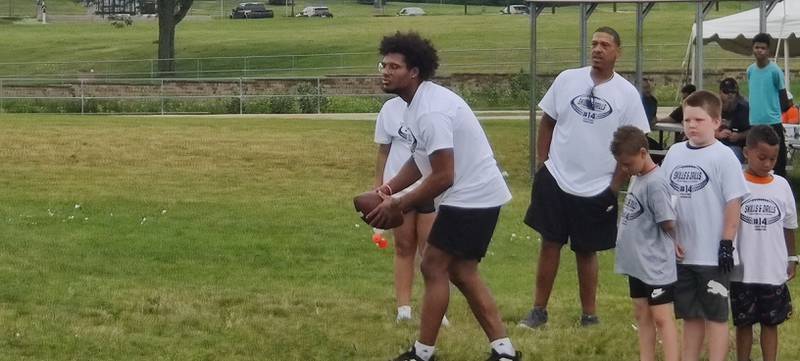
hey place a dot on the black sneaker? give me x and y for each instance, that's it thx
(535, 319)
(503, 357)
(589, 320)
(411, 355)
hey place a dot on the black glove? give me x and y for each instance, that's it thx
(725, 256)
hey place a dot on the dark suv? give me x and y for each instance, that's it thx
(251, 11)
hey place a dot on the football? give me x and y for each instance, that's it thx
(367, 201)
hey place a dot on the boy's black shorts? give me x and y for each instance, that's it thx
(655, 295)
(589, 223)
(702, 292)
(753, 303)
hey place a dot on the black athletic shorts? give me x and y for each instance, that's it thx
(464, 232)
(589, 223)
(655, 295)
(753, 303)
(702, 292)
(425, 208)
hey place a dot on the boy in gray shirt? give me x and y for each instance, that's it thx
(646, 250)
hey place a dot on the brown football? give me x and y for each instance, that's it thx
(367, 201)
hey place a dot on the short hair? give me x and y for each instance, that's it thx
(762, 38)
(418, 52)
(707, 100)
(628, 140)
(688, 89)
(610, 31)
(762, 134)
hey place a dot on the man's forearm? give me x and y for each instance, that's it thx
(407, 175)
(380, 163)
(543, 140)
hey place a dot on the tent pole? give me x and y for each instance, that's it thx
(534, 10)
(786, 63)
(698, 47)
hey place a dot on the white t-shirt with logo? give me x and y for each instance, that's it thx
(586, 117)
(644, 250)
(762, 248)
(390, 119)
(439, 119)
(702, 181)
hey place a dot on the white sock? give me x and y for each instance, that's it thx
(404, 313)
(424, 351)
(503, 346)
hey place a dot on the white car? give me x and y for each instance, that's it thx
(312, 11)
(515, 9)
(412, 11)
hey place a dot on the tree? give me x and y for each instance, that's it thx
(170, 13)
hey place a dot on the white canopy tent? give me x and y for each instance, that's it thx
(735, 32)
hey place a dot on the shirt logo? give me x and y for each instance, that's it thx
(760, 213)
(688, 179)
(716, 288)
(632, 209)
(657, 293)
(590, 107)
(407, 135)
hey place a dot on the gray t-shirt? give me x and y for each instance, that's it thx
(643, 250)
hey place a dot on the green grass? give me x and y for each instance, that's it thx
(354, 29)
(202, 238)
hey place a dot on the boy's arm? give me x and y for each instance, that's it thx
(788, 234)
(785, 102)
(618, 179)
(729, 227)
(731, 219)
(670, 229)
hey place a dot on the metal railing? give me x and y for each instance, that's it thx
(499, 60)
(175, 95)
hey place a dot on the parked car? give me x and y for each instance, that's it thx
(315, 11)
(515, 9)
(412, 11)
(251, 11)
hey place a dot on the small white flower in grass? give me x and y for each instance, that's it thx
(49, 212)
(634, 327)
(163, 211)
(144, 219)
(85, 219)
(16, 334)
(358, 225)
(504, 174)
(77, 206)
(71, 217)
(513, 235)
(111, 214)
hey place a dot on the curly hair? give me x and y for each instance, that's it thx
(628, 140)
(762, 134)
(418, 52)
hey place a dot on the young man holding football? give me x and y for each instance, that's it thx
(451, 150)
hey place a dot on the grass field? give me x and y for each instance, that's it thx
(192, 238)
(354, 29)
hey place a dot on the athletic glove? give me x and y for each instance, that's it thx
(725, 256)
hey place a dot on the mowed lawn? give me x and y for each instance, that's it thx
(234, 238)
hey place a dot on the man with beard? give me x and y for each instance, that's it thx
(451, 153)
